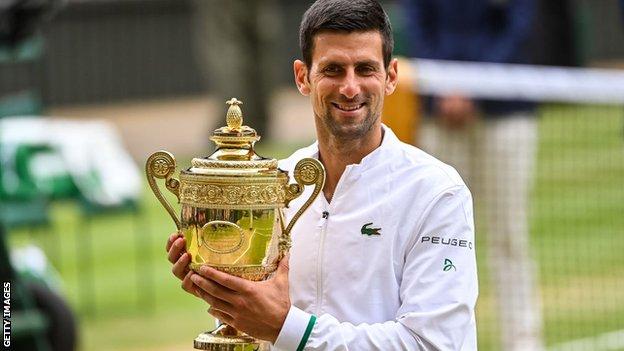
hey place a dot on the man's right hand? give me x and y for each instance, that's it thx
(456, 111)
(177, 255)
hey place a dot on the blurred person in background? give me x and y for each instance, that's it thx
(491, 143)
(237, 48)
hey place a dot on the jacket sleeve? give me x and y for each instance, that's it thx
(438, 292)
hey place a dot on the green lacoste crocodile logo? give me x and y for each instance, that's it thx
(370, 231)
(448, 265)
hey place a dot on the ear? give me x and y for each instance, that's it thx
(301, 77)
(392, 77)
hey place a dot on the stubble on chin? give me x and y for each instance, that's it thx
(349, 131)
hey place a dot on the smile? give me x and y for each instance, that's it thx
(347, 108)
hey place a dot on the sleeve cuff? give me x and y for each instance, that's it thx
(296, 330)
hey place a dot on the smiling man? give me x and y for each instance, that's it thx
(364, 271)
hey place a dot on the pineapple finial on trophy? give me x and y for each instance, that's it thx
(234, 116)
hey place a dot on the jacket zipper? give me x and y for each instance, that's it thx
(319, 264)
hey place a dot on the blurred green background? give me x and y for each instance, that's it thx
(147, 68)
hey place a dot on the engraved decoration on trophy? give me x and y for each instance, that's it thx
(232, 211)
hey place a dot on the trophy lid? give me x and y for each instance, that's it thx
(235, 152)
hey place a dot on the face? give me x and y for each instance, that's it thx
(347, 82)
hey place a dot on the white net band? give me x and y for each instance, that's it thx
(519, 82)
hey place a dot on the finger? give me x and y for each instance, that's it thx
(222, 316)
(177, 248)
(214, 302)
(283, 267)
(229, 281)
(171, 239)
(284, 263)
(214, 289)
(188, 286)
(180, 268)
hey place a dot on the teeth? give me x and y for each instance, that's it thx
(349, 108)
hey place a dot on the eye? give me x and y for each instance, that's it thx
(331, 70)
(366, 70)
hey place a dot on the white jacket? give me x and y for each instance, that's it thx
(390, 263)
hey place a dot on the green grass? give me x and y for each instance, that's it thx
(578, 220)
(577, 226)
(577, 232)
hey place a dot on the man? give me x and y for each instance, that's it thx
(491, 142)
(384, 260)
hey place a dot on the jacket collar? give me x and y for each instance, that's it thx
(389, 143)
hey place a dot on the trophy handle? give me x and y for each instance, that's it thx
(308, 171)
(162, 165)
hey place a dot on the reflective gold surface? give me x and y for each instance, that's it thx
(162, 165)
(231, 210)
(244, 243)
(222, 191)
(226, 338)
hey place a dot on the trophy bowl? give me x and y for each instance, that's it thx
(232, 211)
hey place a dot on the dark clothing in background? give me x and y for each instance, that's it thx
(553, 42)
(472, 30)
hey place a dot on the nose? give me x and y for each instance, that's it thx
(350, 86)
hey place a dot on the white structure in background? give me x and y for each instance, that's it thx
(91, 152)
(519, 82)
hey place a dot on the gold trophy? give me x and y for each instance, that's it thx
(232, 211)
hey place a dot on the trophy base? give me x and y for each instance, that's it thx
(226, 338)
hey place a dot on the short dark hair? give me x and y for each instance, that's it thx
(344, 16)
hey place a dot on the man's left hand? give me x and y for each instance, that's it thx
(256, 308)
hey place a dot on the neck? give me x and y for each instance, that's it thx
(336, 154)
